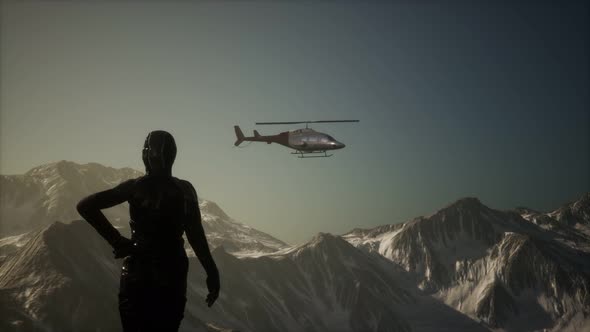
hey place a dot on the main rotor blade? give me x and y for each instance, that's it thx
(296, 122)
(274, 123)
(326, 121)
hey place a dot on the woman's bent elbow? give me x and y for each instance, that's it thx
(82, 207)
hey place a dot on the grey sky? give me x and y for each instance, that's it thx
(455, 99)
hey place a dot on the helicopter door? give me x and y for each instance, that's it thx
(297, 141)
(312, 141)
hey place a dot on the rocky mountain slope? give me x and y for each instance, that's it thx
(491, 265)
(49, 193)
(466, 267)
(571, 218)
(235, 237)
(65, 279)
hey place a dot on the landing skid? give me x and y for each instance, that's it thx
(318, 154)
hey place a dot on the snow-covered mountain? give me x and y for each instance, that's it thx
(466, 267)
(235, 237)
(50, 192)
(571, 216)
(575, 213)
(571, 221)
(65, 279)
(492, 265)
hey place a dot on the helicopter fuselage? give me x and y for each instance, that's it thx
(305, 139)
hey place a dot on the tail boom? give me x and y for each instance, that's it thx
(282, 138)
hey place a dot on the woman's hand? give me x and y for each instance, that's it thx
(123, 247)
(213, 287)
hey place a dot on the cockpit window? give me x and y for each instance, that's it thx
(330, 138)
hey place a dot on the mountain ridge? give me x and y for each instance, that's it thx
(50, 192)
(465, 267)
(328, 285)
(467, 248)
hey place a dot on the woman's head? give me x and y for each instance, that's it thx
(159, 152)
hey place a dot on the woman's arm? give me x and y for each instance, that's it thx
(89, 208)
(196, 237)
(198, 241)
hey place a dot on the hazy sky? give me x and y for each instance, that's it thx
(455, 99)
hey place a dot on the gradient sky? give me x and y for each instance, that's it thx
(455, 99)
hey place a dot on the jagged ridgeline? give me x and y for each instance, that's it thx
(503, 267)
(50, 192)
(466, 267)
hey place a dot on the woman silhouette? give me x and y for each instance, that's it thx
(152, 293)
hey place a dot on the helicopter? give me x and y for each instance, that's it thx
(306, 142)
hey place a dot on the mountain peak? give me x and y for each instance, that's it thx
(212, 208)
(468, 202)
(323, 237)
(582, 202)
(525, 210)
(575, 212)
(67, 168)
(462, 205)
(51, 167)
(325, 241)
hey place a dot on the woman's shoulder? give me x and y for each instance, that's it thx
(187, 188)
(128, 185)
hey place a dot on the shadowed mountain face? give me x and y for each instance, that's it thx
(492, 265)
(65, 279)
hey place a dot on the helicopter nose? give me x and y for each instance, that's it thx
(335, 145)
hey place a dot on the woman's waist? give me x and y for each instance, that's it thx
(145, 245)
(160, 228)
(152, 272)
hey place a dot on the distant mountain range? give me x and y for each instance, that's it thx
(50, 192)
(466, 267)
